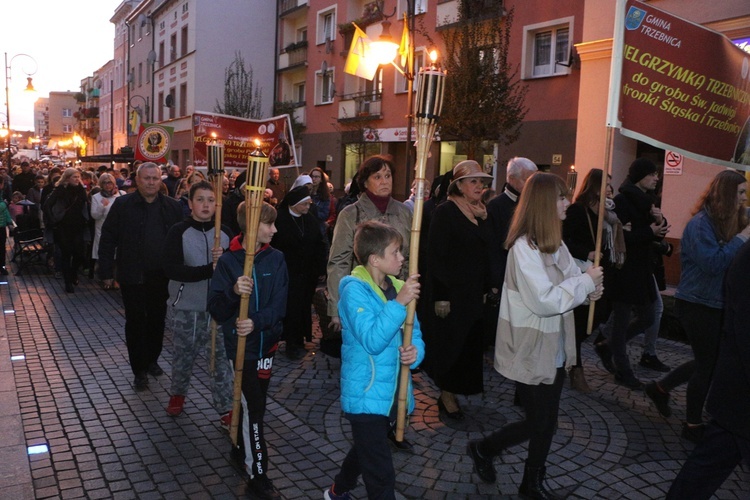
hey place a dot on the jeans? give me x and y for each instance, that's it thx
(623, 329)
(370, 456)
(651, 333)
(702, 325)
(145, 310)
(711, 462)
(541, 404)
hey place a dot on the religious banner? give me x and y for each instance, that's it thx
(154, 143)
(238, 135)
(680, 86)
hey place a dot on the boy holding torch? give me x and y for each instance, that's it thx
(262, 329)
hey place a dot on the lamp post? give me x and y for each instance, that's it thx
(29, 88)
(385, 49)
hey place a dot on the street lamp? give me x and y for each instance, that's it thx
(143, 114)
(29, 88)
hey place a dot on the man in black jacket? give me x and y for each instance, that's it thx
(134, 231)
(726, 440)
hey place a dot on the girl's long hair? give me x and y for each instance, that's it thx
(720, 203)
(322, 189)
(536, 215)
(592, 184)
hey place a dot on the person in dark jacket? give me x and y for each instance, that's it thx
(189, 261)
(458, 270)
(267, 307)
(633, 288)
(302, 244)
(726, 439)
(67, 211)
(500, 212)
(132, 237)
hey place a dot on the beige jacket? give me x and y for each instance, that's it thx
(536, 313)
(341, 259)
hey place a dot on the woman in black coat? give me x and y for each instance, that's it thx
(579, 235)
(457, 278)
(300, 239)
(67, 210)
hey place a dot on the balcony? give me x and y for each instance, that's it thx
(288, 6)
(360, 106)
(293, 56)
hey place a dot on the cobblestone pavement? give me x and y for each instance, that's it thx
(73, 393)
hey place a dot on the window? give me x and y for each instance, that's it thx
(67, 112)
(161, 106)
(324, 89)
(162, 62)
(419, 62)
(172, 104)
(161, 25)
(67, 128)
(372, 89)
(184, 41)
(547, 48)
(173, 47)
(302, 34)
(185, 7)
(420, 7)
(326, 25)
(183, 99)
(299, 93)
(140, 74)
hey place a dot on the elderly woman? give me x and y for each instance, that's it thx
(66, 210)
(101, 202)
(457, 279)
(375, 179)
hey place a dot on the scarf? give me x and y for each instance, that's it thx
(472, 211)
(380, 202)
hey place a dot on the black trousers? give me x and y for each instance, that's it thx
(145, 310)
(702, 325)
(256, 377)
(3, 238)
(72, 251)
(370, 456)
(541, 404)
(711, 462)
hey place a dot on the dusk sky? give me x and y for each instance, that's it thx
(68, 39)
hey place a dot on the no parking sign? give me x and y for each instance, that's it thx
(672, 163)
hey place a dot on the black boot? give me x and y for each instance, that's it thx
(532, 485)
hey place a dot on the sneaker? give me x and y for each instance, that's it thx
(628, 380)
(659, 398)
(402, 445)
(482, 465)
(140, 382)
(225, 421)
(155, 370)
(652, 363)
(693, 433)
(261, 487)
(174, 408)
(330, 495)
(605, 354)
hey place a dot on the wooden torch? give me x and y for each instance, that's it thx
(429, 103)
(257, 175)
(215, 156)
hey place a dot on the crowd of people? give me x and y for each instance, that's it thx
(513, 273)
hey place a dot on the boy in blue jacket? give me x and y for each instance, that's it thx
(372, 309)
(268, 290)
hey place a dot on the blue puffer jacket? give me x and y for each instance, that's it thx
(372, 334)
(267, 302)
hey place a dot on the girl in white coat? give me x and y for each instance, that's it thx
(535, 342)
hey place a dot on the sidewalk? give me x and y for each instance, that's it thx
(73, 393)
